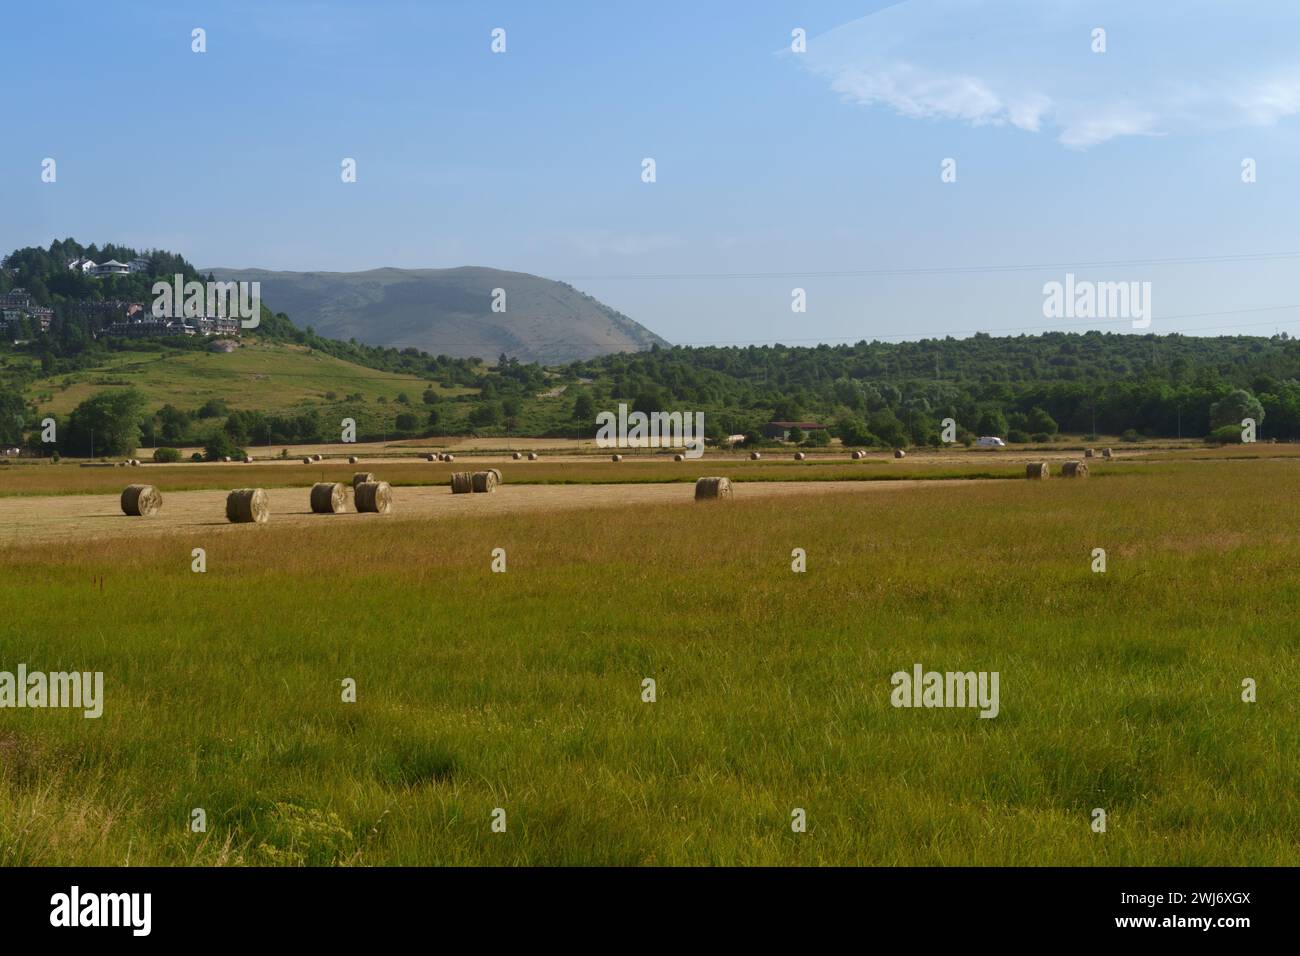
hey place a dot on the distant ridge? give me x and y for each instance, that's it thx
(449, 312)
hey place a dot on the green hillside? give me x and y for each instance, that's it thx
(259, 376)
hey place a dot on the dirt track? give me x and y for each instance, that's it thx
(82, 517)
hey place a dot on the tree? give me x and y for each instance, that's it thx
(584, 408)
(1039, 421)
(991, 422)
(1233, 407)
(105, 424)
(795, 435)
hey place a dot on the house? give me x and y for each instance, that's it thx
(111, 268)
(781, 430)
(83, 265)
(16, 299)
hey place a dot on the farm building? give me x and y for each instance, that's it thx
(781, 430)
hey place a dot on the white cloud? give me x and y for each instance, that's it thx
(1196, 68)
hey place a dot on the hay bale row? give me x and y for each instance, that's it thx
(141, 501)
(248, 506)
(329, 497)
(1037, 470)
(712, 489)
(462, 482)
(484, 482)
(1074, 469)
(374, 497)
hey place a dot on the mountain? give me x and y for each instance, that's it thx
(449, 312)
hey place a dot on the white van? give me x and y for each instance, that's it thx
(989, 441)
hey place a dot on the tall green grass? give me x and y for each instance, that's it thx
(523, 690)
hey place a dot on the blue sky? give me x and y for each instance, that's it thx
(771, 165)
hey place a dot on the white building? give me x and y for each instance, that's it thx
(112, 268)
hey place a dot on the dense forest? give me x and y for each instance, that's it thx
(1026, 388)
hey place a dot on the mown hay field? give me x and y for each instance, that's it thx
(523, 690)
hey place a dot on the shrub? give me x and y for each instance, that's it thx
(1041, 437)
(1017, 437)
(196, 457)
(1130, 435)
(167, 456)
(1225, 435)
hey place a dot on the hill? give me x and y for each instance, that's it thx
(449, 312)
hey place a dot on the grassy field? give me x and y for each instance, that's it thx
(269, 377)
(522, 690)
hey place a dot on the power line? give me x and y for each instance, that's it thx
(1032, 328)
(944, 270)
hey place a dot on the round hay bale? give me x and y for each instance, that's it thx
(799, 456)
(1088, 453)
(462, 482)
(328, 497)
(516, 456)
(360, 477)
(352, 459)
(615, 457)
(711, 489)
(899, 453)
(306, 460)
(431, 457)
(141, 501)
(678, 458)
(484, 481)
(248, 459)
(533, 456)
(448, 457)
(497, 472)
(1107, 454)
(135, 462)
(754, 456)
(374, 497)
(315, 457)
(226, 459)
(1074, 469)
(859, 455)
(248, 506)
(1037, 470)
